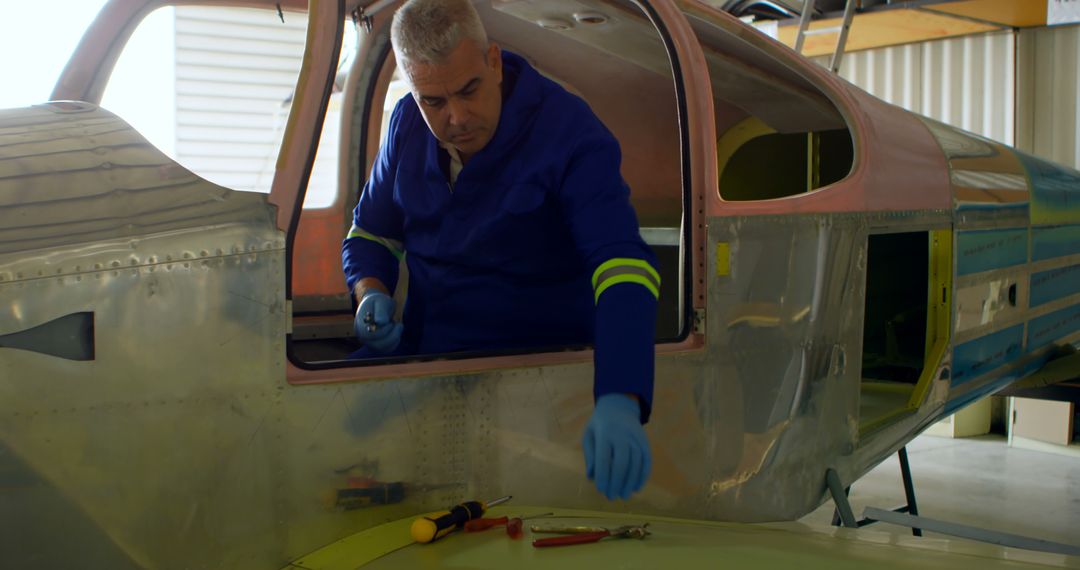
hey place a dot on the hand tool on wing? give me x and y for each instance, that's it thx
(513, 524)
(585, 535)
(434, 526)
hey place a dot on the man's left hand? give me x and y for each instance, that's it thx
(616, 449)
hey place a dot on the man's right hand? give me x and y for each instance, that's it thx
(374, 322)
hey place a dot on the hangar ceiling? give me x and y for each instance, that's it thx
(880, 23)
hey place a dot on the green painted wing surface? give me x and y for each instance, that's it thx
(674, 543)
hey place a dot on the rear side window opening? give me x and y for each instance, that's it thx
(778, 135)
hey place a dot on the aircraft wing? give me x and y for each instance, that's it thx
(673, 543)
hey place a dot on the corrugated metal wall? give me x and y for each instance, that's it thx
(966, 82)
(1049, 122)
(235, 73)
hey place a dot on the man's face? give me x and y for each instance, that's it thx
(460, 98)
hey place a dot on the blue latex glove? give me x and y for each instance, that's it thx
(617, 454)
(374, 324)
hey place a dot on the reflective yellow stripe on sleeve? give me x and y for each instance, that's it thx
(395, 247)
(625, 270)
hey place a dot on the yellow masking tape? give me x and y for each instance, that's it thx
(723, 259)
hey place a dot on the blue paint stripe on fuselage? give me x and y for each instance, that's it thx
(1049, 328)
(1055, 191)
(1049, 242)
(985, 250)
(977, 357)
(1054, 284)
(994, 385)
(993, 207)
(1054, 215)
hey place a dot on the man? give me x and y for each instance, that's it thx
(505, 192)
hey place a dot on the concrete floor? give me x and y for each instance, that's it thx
(978, 482)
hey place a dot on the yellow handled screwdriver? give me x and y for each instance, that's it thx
(430, 528)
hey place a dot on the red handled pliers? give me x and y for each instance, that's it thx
(586, 534)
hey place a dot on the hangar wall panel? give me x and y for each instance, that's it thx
(1049, 120)
(235, 73)
(967, 82)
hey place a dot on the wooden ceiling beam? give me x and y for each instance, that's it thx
(1010, 13)
(885, 28)
(914, 22)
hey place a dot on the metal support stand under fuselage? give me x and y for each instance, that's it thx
(908, 515)
(843, 515)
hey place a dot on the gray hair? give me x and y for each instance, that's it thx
(426, 31)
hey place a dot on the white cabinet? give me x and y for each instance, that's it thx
(1045, 421)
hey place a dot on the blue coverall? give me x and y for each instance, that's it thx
(535, 244)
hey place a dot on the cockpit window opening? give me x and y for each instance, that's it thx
(622, 58)
(210, 86)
